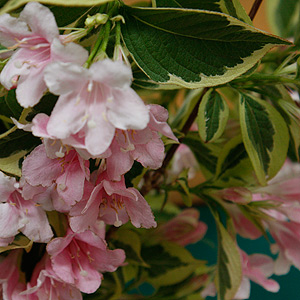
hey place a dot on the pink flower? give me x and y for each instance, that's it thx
(287, 238)
(257, 268)
(77, 259)
(67, 173)
(144, 146)
(93, 103)
(45, 284)
(36, 36)
(184, 229)
(113, 203)
(10, 287)
(17, 214)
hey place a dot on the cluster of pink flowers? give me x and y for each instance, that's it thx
(97, 116)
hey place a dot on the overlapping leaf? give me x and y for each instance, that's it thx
(265, 136)
(212, 116)
(229, 7)
(192, 48)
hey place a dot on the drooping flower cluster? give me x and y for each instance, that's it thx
(97, 116)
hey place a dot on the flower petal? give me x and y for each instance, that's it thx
(40, 20)
(126, 110)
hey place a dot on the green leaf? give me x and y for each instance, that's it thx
(283, 16)
(130, 242)
(9, 106)
(183, 182)
(229, 7)
(20, 242)
(11, 164)
(204, 155)
(14, 4)
(265, 136)
(229, 269)
(212, 116)
(17, 141)
(192, 48)
(169, 263)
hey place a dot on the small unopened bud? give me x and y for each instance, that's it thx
(101, 18)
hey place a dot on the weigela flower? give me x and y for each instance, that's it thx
(45, 284)
(144, 146)
(19, 215)
(257, 268)
(78, 258)
(10, 287)
(184, 229)
(35, 35)
(93, 103)
(67, 173)
(113, 203)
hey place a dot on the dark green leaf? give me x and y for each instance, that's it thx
(212, 116)
(265, 136)
(192, 48)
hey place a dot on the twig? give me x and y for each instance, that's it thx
(255, 8)
(153, 178)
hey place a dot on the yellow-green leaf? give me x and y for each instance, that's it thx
(212, 116)
(265, 136)
(20, 242)
(10, 164)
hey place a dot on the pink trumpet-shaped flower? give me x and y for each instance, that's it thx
(10, 287)
(113, 203)
(78, 258)
(45, 284)
(67, 173)
(35, 35)
(19, 215)
(184, 229)
(144, 146)
(257, 268)
(93, 103)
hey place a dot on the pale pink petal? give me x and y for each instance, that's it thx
(158, 121)
(126, 110)
(62, 266)
(40, 20)
(7, 186)
(70, 52)
(119, 162)
(112, 73)
(139, 211)
(150, 155)
(31, 88)
(9, 221)
(109, 260)
(11, 30)
(72, 76)
(244, 290)
(100, 132)
(36, 163)
(66, 117)
(36, 225)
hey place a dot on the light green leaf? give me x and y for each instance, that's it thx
(169, 263)
(229, 270)
(14, 4)
(212, 116)
(20, 242)
(206, 158)
(192, 48)
(183, 182)
(229, 7)
(10, 164)
(283, 16)
(265, 136)
(131, 243)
